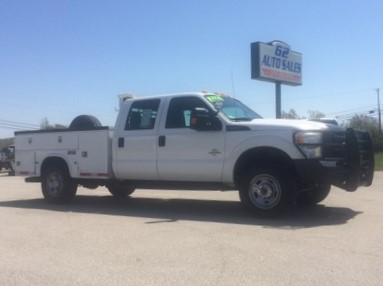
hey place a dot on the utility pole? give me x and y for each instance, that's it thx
(379, 111)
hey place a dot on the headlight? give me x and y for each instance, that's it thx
(309, 143)
(308, 138)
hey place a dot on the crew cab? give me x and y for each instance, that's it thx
(197, 140)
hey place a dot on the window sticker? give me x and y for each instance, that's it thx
(214, 98)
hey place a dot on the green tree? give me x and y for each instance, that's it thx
(369, 124)
(5, 142)
(315, 114)
(44, 124)
(291, 114)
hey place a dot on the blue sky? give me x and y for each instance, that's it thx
(59, 59)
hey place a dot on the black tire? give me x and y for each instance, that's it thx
(57, 186)
(314, 196)
(267, 191)
(11, 171)
(120, 191)
(84, 122)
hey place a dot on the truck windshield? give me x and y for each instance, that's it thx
(232, 108)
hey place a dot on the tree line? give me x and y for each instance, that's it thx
(358, 122)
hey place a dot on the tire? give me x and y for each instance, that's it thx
(84, 122)
(315, 196)
(11, 171)
(267, 191)
(57, 186)
(120, 191)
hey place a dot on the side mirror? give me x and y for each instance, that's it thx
(203, 120)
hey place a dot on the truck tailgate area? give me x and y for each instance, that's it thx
(87, 153)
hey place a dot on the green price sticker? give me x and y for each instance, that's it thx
(214, 98)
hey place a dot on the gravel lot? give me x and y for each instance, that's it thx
(187, 238)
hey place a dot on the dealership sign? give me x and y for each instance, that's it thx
(276, 62)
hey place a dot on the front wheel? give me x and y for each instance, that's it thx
(314, 196)
(57, 186)
(11, 171)
(266, 191)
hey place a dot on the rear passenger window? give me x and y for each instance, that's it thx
(142, 114)
(180, 110)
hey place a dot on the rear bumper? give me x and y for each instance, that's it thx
(351, 168)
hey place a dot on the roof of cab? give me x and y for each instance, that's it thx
(129, 97)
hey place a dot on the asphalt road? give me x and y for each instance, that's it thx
(187, 238)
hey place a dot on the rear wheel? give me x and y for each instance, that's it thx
(57, 186)
(314, 196)
(120, 191)
(266, 191)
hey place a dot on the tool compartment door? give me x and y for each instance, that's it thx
(25, 163)
(25, 156)
(94, 154)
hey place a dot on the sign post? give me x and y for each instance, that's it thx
(278, 103)
(276, 62)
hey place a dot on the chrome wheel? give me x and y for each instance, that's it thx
(264, 191)
(54, 183)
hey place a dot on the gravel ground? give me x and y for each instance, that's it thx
(187, 238)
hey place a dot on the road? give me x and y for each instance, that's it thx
(187, 238)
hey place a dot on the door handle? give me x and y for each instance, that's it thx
(214, 152)
(162, 141)
(121, 142)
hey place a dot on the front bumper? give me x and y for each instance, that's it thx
(347, 162)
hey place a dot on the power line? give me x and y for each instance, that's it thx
(15, 127)
(365, 111)
(370, 114)
(333, 94)
(353, 110)
(18, 123)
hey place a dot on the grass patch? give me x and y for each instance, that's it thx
(379, 161)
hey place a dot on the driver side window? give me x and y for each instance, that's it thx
(180, 109)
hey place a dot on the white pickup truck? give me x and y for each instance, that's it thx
(199, 140)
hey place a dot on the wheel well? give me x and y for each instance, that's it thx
(268, 156)
(54, 161)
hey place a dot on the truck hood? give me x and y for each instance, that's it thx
(265, 124)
